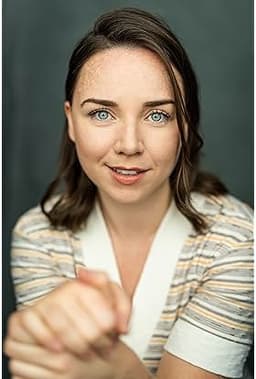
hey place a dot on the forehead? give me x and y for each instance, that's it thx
(119, 70)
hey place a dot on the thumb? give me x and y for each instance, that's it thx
(98, 280)
(82, 274)
(119, 300)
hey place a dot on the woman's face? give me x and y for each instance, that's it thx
(123, 123)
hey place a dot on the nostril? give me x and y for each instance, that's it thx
(128, 148)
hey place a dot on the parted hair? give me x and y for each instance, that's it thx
(134, 28)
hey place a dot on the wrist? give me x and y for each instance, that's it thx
(127, 364)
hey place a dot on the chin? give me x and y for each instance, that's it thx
(125, 196)
(125, 200)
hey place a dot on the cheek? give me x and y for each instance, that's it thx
(165, 147)
(92, 144)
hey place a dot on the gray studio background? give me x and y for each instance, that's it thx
(38, 37)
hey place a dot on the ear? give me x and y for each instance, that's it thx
(68, 113)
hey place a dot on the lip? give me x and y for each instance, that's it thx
(125, 179)
(133, 168)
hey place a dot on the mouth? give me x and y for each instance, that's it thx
(127, 171)
(127, 175)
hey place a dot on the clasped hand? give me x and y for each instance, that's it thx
(72, 333)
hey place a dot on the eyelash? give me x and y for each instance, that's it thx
(166, 115)
(93, 113)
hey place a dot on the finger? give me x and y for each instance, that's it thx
(16, 330)
(90, 330)
(119, 299)
(66, 325)
(32, 321)
(99, 342)
(95, 304)
(30, 371)
(97, 279)
(75, 328)
(74, 324)
(123, 307)
(37, 355)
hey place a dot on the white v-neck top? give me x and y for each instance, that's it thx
(153, 285)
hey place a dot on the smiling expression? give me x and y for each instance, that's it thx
(123, 123)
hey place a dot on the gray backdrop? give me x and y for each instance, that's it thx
(38, 37)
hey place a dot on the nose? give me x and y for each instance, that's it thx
(129, 141)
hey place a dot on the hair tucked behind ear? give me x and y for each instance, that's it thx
(134, 28)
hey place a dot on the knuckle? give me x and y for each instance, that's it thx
(75, 344)
(63, 363)
(61, 292)
(107, 322)
(60, 327)
(81, 348)
(32, 322)
(103, 278)
(55, 317)
(93, 335)
(43, 339)
(89, 333)
(12, 322)
(73, 290)
(102, 312)
(98, 297)
(7, 346)
(42, 335)
(90, 296)
(25, 317)
(12, 365)
(74, 285)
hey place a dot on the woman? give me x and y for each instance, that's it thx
(140, 265)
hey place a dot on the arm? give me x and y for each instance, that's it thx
(214, 332)
(174, 359)
(171, 367)
(119, 363)
(130, 366)
(215, 329)
(34, 262)
(31, 360)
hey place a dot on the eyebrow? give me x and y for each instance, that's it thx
(109, 103)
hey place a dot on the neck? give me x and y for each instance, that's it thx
(135, 220)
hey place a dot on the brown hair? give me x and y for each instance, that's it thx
(135, 28)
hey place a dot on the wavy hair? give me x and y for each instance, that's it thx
(134, 28)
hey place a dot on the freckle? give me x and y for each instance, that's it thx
(89, 74)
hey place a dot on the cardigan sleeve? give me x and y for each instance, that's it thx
(215, 329)
(35, 270)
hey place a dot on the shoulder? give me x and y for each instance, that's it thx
(34, 235)
(228, 216)
(34, 224)
(32, 221)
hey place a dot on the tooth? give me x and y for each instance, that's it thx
(126, 172)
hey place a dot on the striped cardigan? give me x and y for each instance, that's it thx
(210, 297)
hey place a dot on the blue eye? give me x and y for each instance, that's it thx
(159, 116)
(100, 114)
